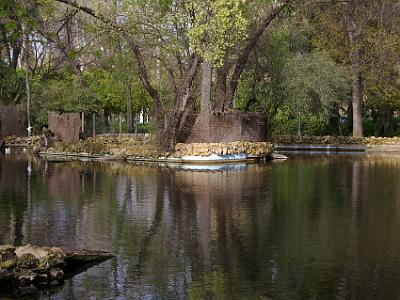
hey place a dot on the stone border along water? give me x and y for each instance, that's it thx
(183, 153)
(125, 149)
(322, 148)
(184, 160)
(128, 148)
(368, 149)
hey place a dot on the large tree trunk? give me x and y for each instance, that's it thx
(206, 73)
(350, 115)
(184, 98)
(357, 107)
(144, 78)
(220, 89)
(221, 75)
(354, 34)
(183, 104)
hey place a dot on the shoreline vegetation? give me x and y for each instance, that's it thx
(335, 140)
(144, 148)
(131, 147)
(237, 68)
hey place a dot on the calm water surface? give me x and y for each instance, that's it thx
(317, 227)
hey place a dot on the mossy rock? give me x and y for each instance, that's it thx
(55, 257)
(6, 252)
(8, 264)
(54, 261)
(6, 249)
(28, 261)
(56, 274)
(26, 277)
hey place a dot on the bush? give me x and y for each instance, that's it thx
(286, 123)
(146, 128)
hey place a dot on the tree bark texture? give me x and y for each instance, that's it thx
(206, 74)
(354, 34)
(220, 89)
(183, 104)
(357, 88)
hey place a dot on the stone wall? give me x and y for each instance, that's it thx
(228, 127)
(251, 149)
(65, 126)
(12, 120)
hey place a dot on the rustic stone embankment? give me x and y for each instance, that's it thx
(335, 140)
(249, 149)
(144, 148)
(141, 147)
(33, 141)
(43, 266)
(340, 143)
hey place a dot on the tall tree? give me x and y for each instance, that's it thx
(230, 73)
(209, 39)
(352, 19)
(356, 33)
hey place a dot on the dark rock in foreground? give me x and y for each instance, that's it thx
(31, 266)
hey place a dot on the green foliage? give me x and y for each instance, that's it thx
(140, 98)
(146, 128)
(262, 87)
(108, 90)
(217, 26)
(98, 90)
(286, 123)
(289, 73)
(12, 85)
(308, 84)
(314, 82)
(62, 94)
(212, 286)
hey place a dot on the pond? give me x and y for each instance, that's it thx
(312, 227)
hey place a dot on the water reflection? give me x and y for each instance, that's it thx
(312, 227)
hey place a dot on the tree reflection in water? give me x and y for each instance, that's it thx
(311, 227)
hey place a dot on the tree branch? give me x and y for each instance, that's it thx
(143, 73)
(250, 43)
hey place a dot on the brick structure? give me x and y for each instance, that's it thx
(65, 126)
(12, 120)
(228, 127)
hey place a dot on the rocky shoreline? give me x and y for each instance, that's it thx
(144, 148)
(130, 148)
(335, 140)
(43, 266)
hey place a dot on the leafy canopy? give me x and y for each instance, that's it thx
(216, 26)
